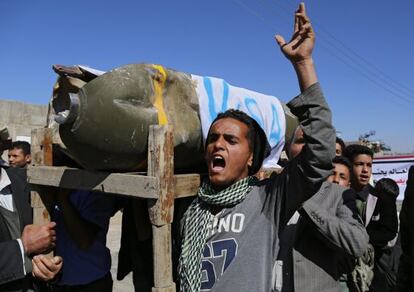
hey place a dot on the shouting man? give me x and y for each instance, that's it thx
(230, 231)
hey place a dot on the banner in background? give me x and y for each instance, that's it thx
(394, 167)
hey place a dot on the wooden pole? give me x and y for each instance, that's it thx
(41, 151)
(161, 211)
(42, 154)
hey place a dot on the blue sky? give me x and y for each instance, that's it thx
(363, 52)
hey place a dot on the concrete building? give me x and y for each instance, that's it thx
(20, 118)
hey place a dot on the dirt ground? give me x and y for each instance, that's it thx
(113, 242)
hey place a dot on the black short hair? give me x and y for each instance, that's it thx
(387, 187)
(258, 143)
(344, 161)
(23, 145)
(341, 142)
(352, 151)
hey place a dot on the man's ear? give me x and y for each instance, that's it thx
(250, 161)
(28, 158)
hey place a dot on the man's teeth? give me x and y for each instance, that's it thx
(218, 161)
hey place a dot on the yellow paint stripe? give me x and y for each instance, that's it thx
(159, 85)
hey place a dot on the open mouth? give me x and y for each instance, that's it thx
(218, 162)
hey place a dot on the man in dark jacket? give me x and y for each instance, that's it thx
(19, 238)
(405, 279)
(378, 211)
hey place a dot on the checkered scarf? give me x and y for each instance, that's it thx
(194, 227)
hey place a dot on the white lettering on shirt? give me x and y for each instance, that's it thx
(231, 222)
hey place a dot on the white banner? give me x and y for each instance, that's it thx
(216, 95)
(394, 167)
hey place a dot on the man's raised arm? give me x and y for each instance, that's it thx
(306, 172)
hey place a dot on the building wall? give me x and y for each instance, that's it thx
(20, 118)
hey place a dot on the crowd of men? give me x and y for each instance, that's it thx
(316, 225)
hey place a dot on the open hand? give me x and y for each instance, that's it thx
(300, 47)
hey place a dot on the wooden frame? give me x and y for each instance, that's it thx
(160, 187)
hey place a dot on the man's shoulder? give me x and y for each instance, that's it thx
(18, 179)
(275, 178)
(365, 192)
(17, 174)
